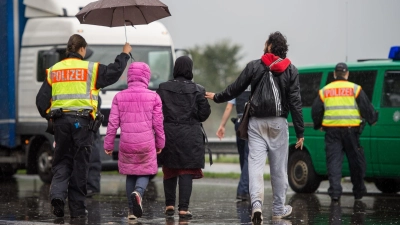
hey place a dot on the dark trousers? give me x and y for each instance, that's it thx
(93, 180)
(185, 191)
(243, 150)
(70, 162)
(339, 141)
(241, 145)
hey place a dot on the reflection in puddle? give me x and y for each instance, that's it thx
(25, 200)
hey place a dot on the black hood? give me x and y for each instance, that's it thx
(183, 68)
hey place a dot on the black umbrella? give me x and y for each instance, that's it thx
(114, 13)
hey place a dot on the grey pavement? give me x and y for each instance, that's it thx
(25, 200)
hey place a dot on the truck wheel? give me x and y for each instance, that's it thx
(390, 186)
(45, 157)
(301, 173)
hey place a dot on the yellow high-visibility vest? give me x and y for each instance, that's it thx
(341, 109)
(73, 83)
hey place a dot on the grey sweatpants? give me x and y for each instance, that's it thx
(268, 137)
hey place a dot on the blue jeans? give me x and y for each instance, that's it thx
(136, 183)
(243, 150)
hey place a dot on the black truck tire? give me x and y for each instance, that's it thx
(388, 186)
(301, 173)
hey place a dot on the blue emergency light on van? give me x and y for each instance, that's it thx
(394, 53)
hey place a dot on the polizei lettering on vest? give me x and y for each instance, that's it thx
(69, 75)
(338, 92)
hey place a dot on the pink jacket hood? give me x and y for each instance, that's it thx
(138, 75)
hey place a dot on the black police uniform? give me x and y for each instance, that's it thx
(93, 179)
(74, 143)
(339, 139)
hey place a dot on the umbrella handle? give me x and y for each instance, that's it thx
(126, 39)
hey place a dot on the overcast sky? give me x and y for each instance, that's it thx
(317, 31)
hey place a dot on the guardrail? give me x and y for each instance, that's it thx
(224, 146)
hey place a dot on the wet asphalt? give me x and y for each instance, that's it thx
(24, 199)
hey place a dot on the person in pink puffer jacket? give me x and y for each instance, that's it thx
(138, 112)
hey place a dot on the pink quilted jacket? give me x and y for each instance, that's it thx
(138, 112)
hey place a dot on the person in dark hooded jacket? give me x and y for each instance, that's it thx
(268, 135)
(184, 108)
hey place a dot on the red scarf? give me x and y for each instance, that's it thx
(278, 67)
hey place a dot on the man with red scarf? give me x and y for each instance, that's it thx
(268, 134)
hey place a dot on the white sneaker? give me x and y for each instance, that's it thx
(286, 212)
(256, 216)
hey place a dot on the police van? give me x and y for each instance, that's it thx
(380, 80)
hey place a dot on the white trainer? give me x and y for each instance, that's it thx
(286, 212)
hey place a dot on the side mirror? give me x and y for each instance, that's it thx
(89, 52)
(182, 52)
(46, 60)
(50, 58)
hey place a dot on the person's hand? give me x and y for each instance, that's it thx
(299, 143)
(210, 95)
(127, 48)
(221, 132)
(108, 152)
(158, 150)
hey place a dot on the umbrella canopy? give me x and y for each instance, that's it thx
(114, 13)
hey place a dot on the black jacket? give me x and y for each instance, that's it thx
(184, 108)
(288, 83)
(106, 75)
(365, 107)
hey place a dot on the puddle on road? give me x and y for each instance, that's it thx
(24, 199)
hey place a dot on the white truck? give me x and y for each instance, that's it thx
(46, 28)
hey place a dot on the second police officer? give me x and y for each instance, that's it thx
(339, 110)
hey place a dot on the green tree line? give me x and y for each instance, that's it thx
(215, 66)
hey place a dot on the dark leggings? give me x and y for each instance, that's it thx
(185, 190)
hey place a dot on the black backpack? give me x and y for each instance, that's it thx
(266, 99)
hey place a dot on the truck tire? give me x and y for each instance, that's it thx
(301, 173)
(389, 186)
(44, 160)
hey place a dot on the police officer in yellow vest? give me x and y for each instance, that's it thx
(69, 97)
(339, 110)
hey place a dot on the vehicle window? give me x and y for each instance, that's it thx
(44, 62)
(159, 58)
(309, 87)
(366, 79)
(391, 89)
